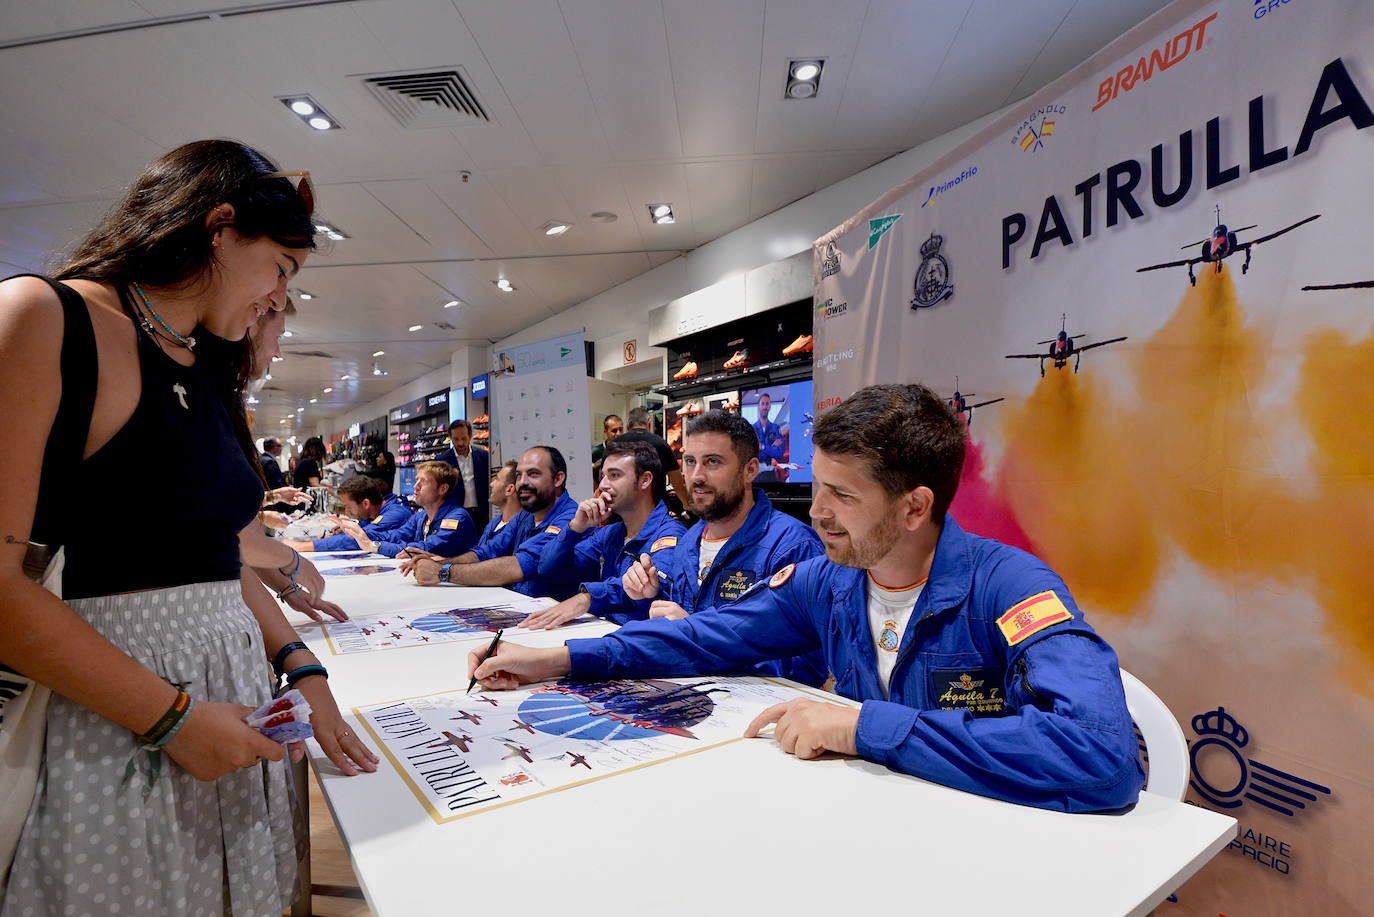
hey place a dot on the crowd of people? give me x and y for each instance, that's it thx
(973, 665)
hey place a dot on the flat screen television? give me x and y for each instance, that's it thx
(784, 434)
(405, 480)
(457, 405)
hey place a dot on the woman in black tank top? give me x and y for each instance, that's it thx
(155, 655)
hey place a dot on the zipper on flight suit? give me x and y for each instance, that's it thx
(1023, 670)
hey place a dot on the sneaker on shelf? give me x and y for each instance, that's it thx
(688, 409)
(801, 345)
(688, 371)
(732, 404)
(741, 358)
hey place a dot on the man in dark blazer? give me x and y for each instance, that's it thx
(473, 464)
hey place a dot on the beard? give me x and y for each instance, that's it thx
(533, 501)
(720, 504)
(862, 551)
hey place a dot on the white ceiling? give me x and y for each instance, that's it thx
(595, 105)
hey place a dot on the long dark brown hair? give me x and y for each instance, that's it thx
(157, 235)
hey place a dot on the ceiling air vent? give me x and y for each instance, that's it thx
(430, 98)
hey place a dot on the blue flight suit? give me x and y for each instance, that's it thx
(489, 532)
(525, 540)
(598, 558)
(393, 514)
(767, 542)
(450, 534)
(984, 696)
(772, 444)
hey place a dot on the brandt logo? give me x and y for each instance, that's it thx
(1173, 51)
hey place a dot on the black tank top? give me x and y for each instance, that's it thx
(184, 486)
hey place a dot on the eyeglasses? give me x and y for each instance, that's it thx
(302, 186)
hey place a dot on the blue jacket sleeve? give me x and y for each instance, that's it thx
(608, 596)
(339, 542)
(390, 545)
(502, 544)
(765, 623)
(575, 554)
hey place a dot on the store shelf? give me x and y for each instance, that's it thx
(788, 369)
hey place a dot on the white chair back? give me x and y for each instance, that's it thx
(1166, 751)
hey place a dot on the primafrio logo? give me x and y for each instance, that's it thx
(830, 264)
(1172, 52)
(1030, 135)
(932, 277)
(949, 184)
(1225, 777)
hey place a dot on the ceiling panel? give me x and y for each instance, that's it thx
(796, 29)
(623, 51)
(714, 47)
(720, 196)
(781, 180)
(1088, 28)
(28, 20)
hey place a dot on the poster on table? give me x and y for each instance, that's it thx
(460, 621)
(1150, 294)
(540, 399)
(467, 753)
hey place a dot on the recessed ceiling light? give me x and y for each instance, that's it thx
(252, 400)
(285, 420)
(278, 359)
(327, 389)
(331, 231)
(661, 213)
(345, 377)
(378, 353)
(453, 302)
(377, 370)
(803, 78)
(555, 228)
(603, 216)
(300, 410)
(309, 111)
(268, 377)
(416, 327)
(504, 285)
(314, 400)
(286, 334)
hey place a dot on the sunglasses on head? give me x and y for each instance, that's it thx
(302, 186)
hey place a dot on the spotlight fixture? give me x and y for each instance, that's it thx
(309, 111)
(304, 295)
(504, 285)
(377, 370)
(345, 377)
(327, 389)
(314, 400)
(379, 353)
(453, 302)
(286, 334)
(555, 228)
(803, 78)
(416, 327)
(252, 400)
(300, 410)
(267, 378)
(278, 359)
(661, 213)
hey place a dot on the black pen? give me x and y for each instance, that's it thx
(485, 656)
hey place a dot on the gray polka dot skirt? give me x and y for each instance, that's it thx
(96, 843)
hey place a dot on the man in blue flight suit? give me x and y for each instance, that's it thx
(974, 665)
(363, 500)
(503, 502)
(511, 558)
(740, 541)
(440, 525)
(632, 487)
(772, 444)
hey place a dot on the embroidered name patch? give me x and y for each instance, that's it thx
(979, 691)
(782, 576)
(733, 584)
(667, 541)
(1032, 616)
(449, 524)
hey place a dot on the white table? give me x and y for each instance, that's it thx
(739, 828)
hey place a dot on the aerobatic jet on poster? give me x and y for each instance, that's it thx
(1062, 348)
(1221, 245)
(959, 402)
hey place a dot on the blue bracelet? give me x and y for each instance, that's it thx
(279, 661)
(304, 671)
(297, 567)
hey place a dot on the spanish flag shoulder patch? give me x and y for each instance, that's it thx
(449, 524)
(667, 541)
(782, 576)
(1031, 616)
(553, 530)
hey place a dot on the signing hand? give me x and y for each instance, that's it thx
(808, 728)
(513, 665)
(641, 581)
(426, 570)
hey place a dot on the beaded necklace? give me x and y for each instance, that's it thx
(189, 342)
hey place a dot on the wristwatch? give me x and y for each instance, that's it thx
(444, 570)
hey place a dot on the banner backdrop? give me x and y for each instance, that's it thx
(540, 399)
(1150, 291)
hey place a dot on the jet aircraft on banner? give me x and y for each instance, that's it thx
(1222, 244)
(1062, 348)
